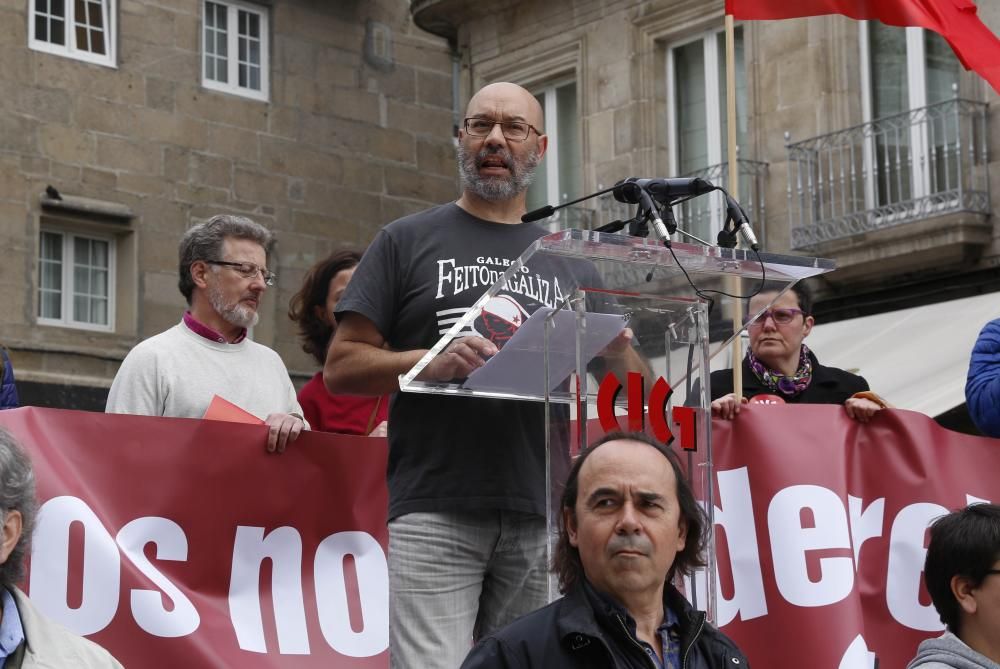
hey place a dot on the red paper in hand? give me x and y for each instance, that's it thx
(221, 409)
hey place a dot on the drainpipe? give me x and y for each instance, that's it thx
(456, 69)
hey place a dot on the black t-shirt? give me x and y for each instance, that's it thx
(420, 275)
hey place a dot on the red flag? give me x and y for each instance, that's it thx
(955, 20)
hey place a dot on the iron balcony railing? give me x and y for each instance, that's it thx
(894, 170)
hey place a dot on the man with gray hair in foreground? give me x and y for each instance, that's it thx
(27, 639)
(223, 276)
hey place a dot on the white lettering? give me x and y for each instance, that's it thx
(444, 276)
(865, 523)
(283, 546)
(147, 605)
(49, 585)
(373, 590)
(906, 563)
(790, 542)
(735, 518)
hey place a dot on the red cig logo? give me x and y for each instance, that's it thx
(684, 417)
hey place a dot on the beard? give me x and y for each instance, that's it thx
(493, 189)
(235, 313)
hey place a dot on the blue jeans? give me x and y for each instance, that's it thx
(458, 576)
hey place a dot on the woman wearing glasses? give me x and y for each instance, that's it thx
(780, 364)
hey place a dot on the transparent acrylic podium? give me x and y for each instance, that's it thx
(674, 302)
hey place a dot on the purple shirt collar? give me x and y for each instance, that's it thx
(199, 328)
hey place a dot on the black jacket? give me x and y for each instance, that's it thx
(829, 385)
(573, 633)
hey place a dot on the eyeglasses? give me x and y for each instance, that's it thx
(248, 270)
(779, 316)
(515, 130)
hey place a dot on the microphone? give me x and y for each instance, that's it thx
(658, 225)
(538, 214)
(741, 222)
(661, 190)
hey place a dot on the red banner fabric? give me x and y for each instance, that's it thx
(821, 525)
(955, 20)
(163, 539)
(176, 542)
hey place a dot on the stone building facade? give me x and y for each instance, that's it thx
(852, 145)
(859, 142)
(322, 121)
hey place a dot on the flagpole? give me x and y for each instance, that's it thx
(736, 311)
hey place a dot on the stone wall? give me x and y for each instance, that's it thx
(804, 79)
(346, 143)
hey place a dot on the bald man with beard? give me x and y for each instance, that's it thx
(466, 475)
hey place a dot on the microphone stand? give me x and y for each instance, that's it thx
(662, 216)
(548, 210)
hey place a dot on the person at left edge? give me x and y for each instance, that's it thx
(28, 640)
(223, 276)
(8, 391)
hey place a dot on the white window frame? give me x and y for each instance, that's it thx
(553, 191)
(70, 49)
(68, 266)
(916, 76)
(710, 44)
(232, 49)
(549, 93)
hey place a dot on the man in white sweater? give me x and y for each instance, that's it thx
(223, 276)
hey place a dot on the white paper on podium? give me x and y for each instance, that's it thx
(519, 367)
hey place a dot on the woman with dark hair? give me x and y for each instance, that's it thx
(312, 308)
(779, 364)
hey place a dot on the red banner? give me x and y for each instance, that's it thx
(823, 529)
(163, 539)
(177, 542)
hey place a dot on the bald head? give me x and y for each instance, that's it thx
(506, 101)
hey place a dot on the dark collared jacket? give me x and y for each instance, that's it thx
(581, 631)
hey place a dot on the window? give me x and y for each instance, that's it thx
(697, 121)
(909, 155)
(76, 280)
(234, 46)
(558, 177)
(81, 29)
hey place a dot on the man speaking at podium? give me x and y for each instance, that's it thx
(466, 476)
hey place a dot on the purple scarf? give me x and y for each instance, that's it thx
(788, 386)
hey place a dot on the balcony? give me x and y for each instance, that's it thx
(850, 191)
(443, 17)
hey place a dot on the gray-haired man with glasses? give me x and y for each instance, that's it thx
(223, 276)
